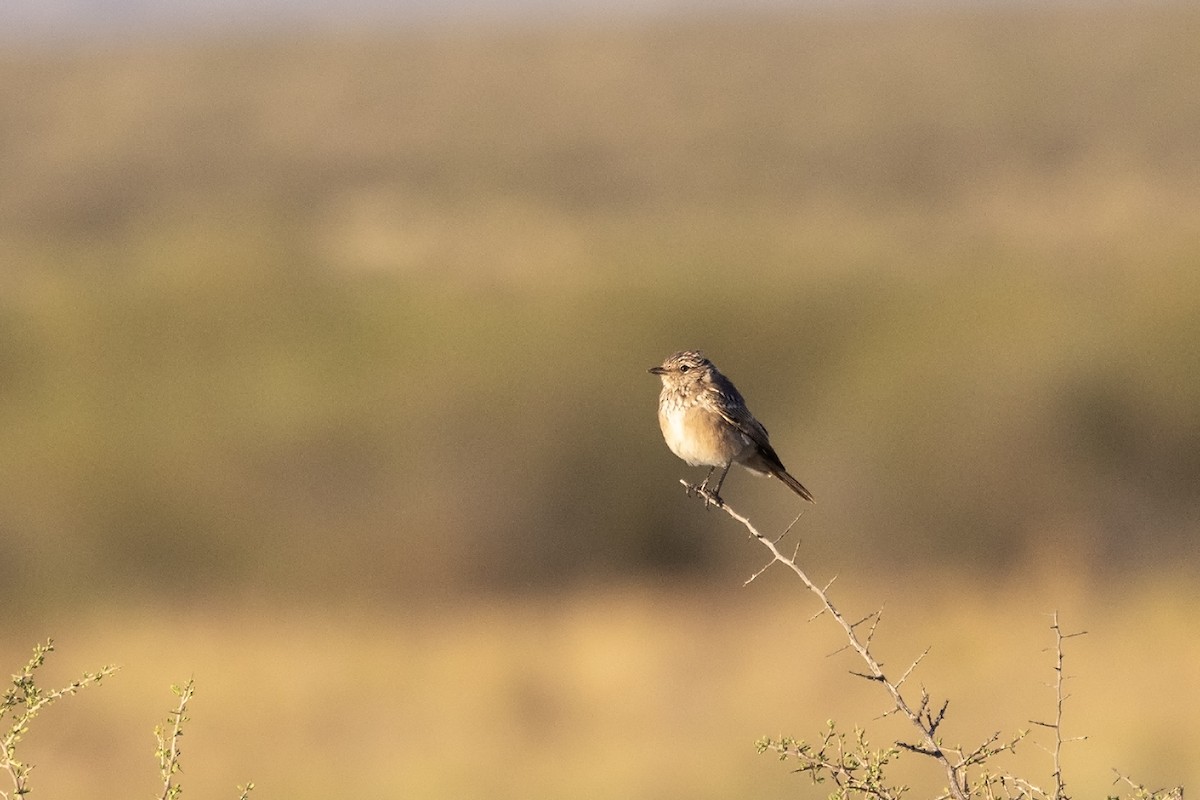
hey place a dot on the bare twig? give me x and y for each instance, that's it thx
(1060, 786)
(911, 667)
(925, 723)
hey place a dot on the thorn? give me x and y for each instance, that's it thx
(780, 539)
(788, 529)
(864, 619)
(760, 572)
(913, 666)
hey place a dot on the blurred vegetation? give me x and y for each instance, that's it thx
(630, 692)
(370, 312)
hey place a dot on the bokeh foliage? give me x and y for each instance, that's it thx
(370, 312)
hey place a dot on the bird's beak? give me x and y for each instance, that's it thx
(658, 370)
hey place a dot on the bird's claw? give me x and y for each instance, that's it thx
(710, 497)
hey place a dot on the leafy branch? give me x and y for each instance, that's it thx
(168, 751)
(854, 768)
(23, 700)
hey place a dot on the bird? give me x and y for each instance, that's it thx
(705, 421)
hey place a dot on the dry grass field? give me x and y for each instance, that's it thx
(322, 378)
(636, 691)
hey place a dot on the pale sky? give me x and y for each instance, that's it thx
(33, 20)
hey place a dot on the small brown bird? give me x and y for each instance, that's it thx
(706, 423)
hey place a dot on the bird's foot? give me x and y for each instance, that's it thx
(710, 497)
(702, 491)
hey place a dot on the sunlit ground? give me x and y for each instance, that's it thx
(651, 691)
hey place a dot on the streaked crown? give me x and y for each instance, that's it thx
(685, 368)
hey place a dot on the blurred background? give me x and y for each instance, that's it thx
(323, 350)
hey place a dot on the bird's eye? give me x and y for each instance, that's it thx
(684, 368)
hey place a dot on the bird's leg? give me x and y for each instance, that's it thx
(702, 489)
(712, 496)
(717, 491)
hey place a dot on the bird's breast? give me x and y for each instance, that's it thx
(698, 436)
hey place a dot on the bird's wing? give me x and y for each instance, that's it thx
(724, 398)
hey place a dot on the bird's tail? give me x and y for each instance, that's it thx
(793, 484)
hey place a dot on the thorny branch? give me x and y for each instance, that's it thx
(955, 761)
(1060, 786)
(922, 718)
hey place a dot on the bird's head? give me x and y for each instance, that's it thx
(685, 368)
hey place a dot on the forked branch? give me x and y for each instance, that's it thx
(856, 770)
(923, 718)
